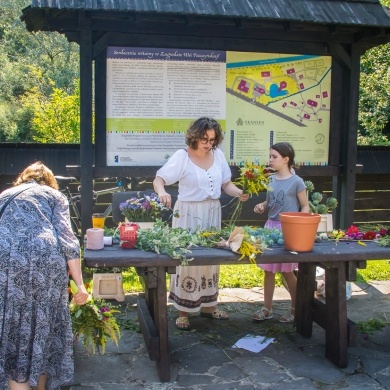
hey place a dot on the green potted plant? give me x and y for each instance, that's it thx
(322, 205)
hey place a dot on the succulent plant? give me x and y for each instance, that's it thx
(315, 199)
(309, 186)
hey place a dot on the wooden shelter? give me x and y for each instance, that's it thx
(343, 29)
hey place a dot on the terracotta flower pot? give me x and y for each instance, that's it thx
(299, 230)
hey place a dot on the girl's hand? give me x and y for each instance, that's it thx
(259, 208)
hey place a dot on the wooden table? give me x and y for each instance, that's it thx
(340, 262)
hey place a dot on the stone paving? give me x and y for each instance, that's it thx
(203, 358)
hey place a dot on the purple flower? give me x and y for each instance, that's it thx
(144, 209)
(355, 235)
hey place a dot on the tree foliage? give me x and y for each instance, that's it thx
(374, 99)
(54, 118)
(41, 63)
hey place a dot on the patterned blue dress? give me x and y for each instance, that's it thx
(36, 242)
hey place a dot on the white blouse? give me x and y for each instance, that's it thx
(195, 183)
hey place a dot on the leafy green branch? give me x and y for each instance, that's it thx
(371, 325)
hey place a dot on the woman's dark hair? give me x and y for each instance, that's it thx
(198, 129)
(285, 150)
(38, 172)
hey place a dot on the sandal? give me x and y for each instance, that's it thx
(289, 317)
(182, 323)
(261, 315)
(215, 315)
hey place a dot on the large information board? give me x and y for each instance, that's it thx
(153, 94)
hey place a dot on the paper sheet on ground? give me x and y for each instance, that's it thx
(253, 343)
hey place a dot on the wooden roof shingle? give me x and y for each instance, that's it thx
(368, 13)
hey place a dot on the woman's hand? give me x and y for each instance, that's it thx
(259, 208)
(244, 197)
(80, 298)
(165, 199)
(231, 189)
(163, 196)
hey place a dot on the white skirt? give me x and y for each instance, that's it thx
(193, 287)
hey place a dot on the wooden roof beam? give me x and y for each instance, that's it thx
(338, 51)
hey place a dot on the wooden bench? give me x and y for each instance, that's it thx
(340, 262)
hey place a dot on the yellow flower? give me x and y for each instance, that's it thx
(249, 250)
(207, 234)
(253, 179)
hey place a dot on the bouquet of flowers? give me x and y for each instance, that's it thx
(142, 209)
(94, 323)
(354, 233)
(242, 242)
(253, 179)
(380, 234)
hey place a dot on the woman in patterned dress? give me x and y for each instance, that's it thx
(201, 171)
(37, 248)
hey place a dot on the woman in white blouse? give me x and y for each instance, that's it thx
(202, 171)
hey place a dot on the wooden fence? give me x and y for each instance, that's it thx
(371, 205)
(372, 200)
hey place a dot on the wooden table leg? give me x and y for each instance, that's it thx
(305, 298)
(152, 314)
(336, 331)
(161, 321)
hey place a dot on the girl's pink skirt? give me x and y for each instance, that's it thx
(277, 267)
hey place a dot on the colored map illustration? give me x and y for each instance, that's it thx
(295, 88)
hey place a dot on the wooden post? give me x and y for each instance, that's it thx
(100, 109)
(86, 147)
(349, 142)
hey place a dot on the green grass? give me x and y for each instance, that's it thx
(231, 276)
(376, 270)
(243, 276)
(250, 275)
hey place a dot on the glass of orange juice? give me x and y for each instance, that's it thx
(98, 221)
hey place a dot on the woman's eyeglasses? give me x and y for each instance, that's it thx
(205, 141)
